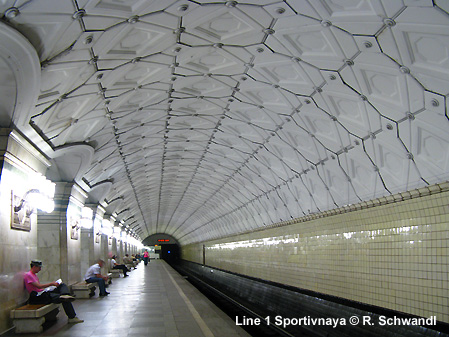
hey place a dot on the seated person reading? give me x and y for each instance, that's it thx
(46, 293)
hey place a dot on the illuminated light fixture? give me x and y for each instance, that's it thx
(116, 231)
(86, 218)
(36, 200)
(39, 196)
(106, 228)
(124, 237)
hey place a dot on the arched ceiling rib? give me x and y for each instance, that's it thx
(213, 118)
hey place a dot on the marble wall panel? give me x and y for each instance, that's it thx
(74, 259)
(50, 272)
(97, 248)
(50, 245)
(105, 254)
(113, 246)
(17, 249)
(120, 251)
(49, 238)
(87, 256)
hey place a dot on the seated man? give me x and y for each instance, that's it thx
(93, 275)
(133, 257)
(53, 292)
(115, 265)
(128, 261)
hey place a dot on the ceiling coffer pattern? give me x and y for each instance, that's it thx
(213, 118)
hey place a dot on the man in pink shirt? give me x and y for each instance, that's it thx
(45, 293)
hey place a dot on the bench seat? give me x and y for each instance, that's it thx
(83, 289)
(115, 273)
(31, 317)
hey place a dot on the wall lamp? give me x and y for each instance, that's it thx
(36, 199)
(87, 220)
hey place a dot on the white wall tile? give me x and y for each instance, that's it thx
(394, 255)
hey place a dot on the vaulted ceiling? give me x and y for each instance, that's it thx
(208, 118)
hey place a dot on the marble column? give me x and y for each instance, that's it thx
(121, 251)
(87, 257)
(99, 251)
(52, 236)
(104, 250)
(89, 251)
(114, 246)
(74, 242)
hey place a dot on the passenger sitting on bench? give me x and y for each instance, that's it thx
(128, 261)
(93, 275)
(115, 265)
(53, 292)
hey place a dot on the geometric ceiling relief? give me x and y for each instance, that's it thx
(423, 51)
(430, 146)
(209, 119)
(312, 41)
(349, 111)
(211, 60)
(387, 86)
(359, 17)
(294, 77)
(226, 24)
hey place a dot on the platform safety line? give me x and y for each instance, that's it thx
(203, 326)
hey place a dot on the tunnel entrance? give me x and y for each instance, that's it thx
(166, 247)
(170, 253)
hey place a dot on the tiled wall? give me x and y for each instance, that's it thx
(392, 255)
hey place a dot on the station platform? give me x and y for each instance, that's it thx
(153, 301)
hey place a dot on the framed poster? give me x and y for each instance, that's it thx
(74, 224)
(20, 213)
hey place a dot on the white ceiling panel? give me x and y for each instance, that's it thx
(215, 118)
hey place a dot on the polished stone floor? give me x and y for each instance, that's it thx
(153, 301)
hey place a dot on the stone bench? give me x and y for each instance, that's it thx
(131, 265)
(115, 273)
(31, 317)
(109, 278)
(83, 289)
